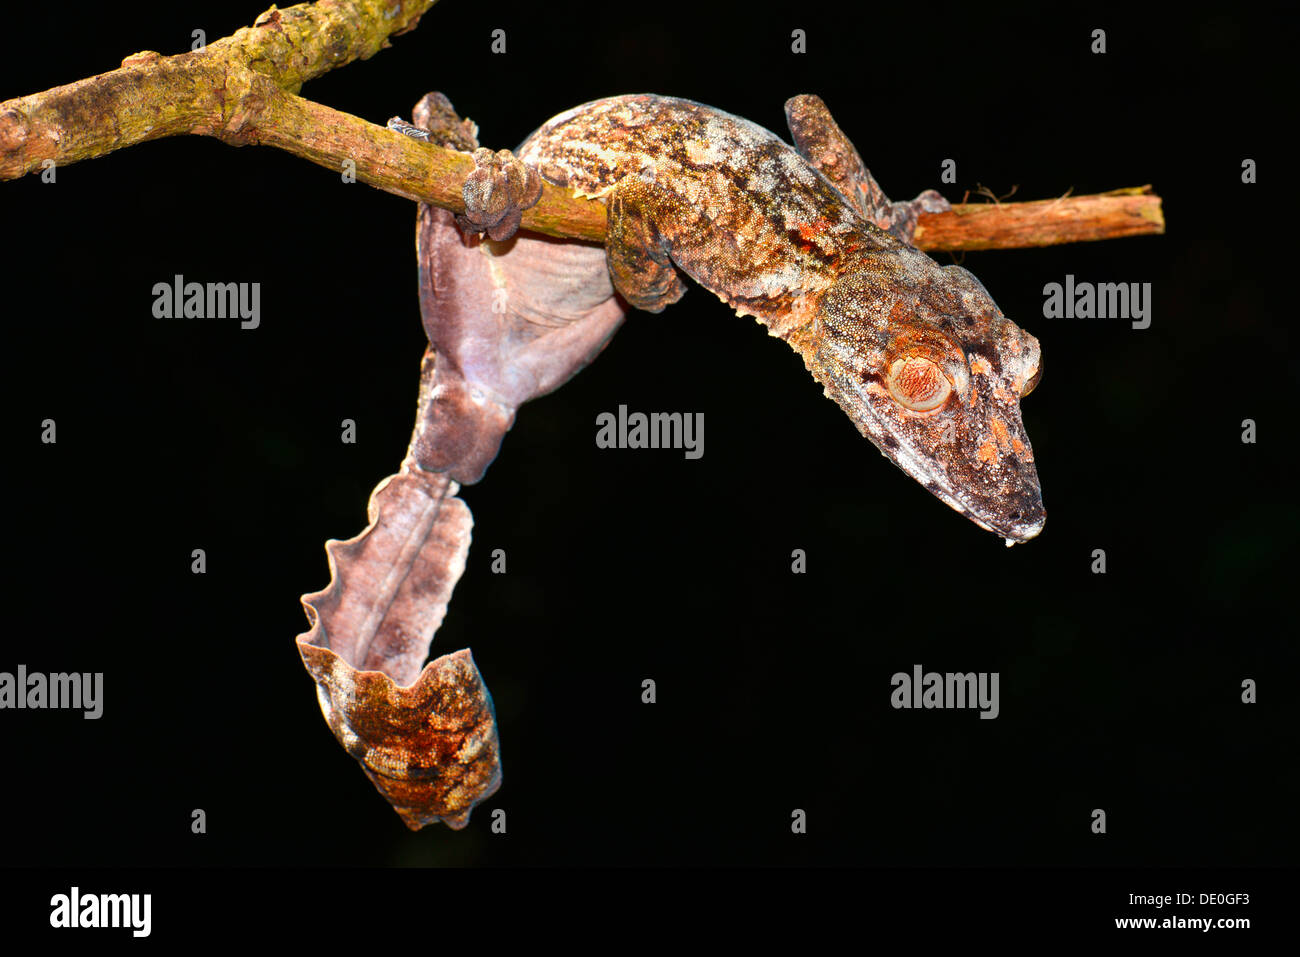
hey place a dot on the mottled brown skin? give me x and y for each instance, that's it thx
(424, 734)
(918, 355)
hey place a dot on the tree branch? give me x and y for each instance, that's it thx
(1134, 211)
(243, 90)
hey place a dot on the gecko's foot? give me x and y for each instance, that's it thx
(498, 191)
(501, 186)
(931, 201)
(639, 262)
(901, 218)
(436, 121)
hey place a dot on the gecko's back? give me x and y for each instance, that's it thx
(916, 354)
(754, 222)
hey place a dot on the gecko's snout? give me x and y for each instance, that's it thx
(1021, 523)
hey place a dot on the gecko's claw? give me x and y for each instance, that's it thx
(498, 191)
(901, 218)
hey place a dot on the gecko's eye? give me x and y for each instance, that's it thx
(1033, 381)
(918, 384)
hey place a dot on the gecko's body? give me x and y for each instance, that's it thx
(918, 355)
(730, 204)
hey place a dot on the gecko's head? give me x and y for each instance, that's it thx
(929, 369)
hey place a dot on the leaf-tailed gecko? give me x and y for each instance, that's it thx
(918, 355)
(803, 239)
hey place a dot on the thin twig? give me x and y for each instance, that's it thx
(243, 90)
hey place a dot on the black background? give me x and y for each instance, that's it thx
(1118, 691)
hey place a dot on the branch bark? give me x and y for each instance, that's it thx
(1134, 211)
(243, 90)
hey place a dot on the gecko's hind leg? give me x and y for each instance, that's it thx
(638, 255)
(819, 139)
(501, 186)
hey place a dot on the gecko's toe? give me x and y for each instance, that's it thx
(932, 201)
(435, 113)
(901, 218)
(497, 192)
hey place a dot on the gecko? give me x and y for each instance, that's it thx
(801, 238)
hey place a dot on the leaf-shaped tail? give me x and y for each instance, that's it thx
(426, 739)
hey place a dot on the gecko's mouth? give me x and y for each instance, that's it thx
(1011, 507)
(974, 455)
